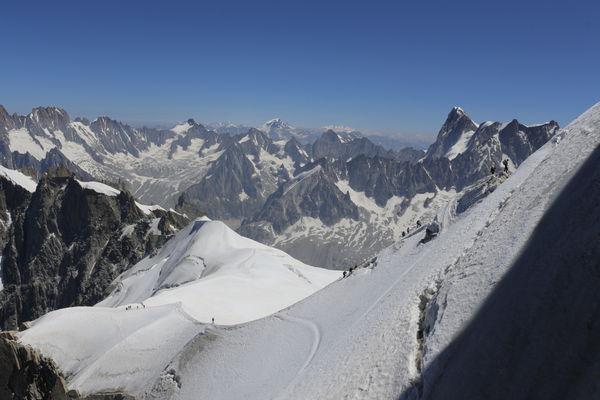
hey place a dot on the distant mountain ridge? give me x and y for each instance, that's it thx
(391, 194)
(373, 192)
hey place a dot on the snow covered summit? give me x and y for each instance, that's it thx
(216, 273)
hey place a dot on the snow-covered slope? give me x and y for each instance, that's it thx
(18, 178)
(206, 271)
(363, 337)
(112, 349)
(216, 273)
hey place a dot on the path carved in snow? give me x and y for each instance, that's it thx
(366, 342)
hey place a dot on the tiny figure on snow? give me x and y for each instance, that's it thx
(418, 223)
(403, 233)
(213, 320)
(344, 274)
(505, 162)
(493, 170)
(408, 230)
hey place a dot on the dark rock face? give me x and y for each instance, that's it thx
(69, 244)
(480, 148)
(297, 152)
(196, 131)
(26, 374)
(519, 141)
(57, 164)
(13, 202)
(456, 125)
(221, 190)
(333, 145)
(382, 178)
(460, 159)
(117, 137)
(313, 194)
(408, 154)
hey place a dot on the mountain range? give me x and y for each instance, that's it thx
(511, 273)
(339, 194)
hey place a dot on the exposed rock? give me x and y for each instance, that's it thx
(69, 244)
(26, 374)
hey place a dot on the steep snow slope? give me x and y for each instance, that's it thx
(538, 328)
(216, 273)
(18, 178)
(362, 336)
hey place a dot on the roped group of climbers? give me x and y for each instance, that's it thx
(404, 233)
(349, 272)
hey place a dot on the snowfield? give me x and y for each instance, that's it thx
(377, 334)
(216, 273)
(19, 179)
(206, 271)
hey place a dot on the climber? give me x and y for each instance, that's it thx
(344, 274)
(408, 230)
(505, 162)
(403, 233)
(213, 320)
(493, 170)
(418, 223)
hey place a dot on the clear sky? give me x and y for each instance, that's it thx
(395, 67)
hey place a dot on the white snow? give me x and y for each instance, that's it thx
(356, 339)
(243, 196)
(180, 129)
(99, 187)
(22, 142)
(460, 146)
(214, 272)
(206, 269)
(96, 347)
(300, 177)
(19, 179)
(148, 209)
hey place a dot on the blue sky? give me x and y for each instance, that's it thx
(392, 67)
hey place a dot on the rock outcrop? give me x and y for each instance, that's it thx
(26, 374)
(68, 244)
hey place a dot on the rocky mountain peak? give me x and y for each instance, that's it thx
(331, 136)
(276, 123)
(457, 125)
(53, 118)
